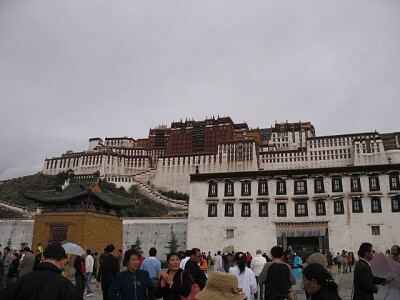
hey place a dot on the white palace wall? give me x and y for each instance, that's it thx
(16, 231)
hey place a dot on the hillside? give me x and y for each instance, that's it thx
(13, 191)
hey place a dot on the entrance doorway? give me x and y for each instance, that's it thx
(304, 246)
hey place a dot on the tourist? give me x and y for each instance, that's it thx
(277, 276)
(40, 248)
(349, 260)
(80, 269)
(153, 266)
(395, 253)
(96, 263)
(46, 281)
(109, 268)
(203, 264)
(7, 261)
(132, 283)
(185, 259)
(257, 264)
(120, 257)
(297, 269)
(221, 286)
(89, 262)
(246, 277)
(209, 259)
(14, 269)
(193, 268)
(218, 262)
(319, 283)
(229, 262)
(344, 261)
(365, 284)
(142, 258)
(27, 262)
(248, 259)
(175, 282)
(338, 261)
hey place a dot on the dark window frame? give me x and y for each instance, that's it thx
(246, 210)
(393, 200)
(396, 185)
(339, 211)
(322, 189)
(278, 185)
(248, 184)
(337, 188)
(297, 183)
(317, 212)
(228, 212)
(278, 209)
(262, 183)
(356, 209)
(212, 214)
(227, 185)
(211, 192)
(355, 184)
(260, 209)
(297, 212)
(371, 188)
(376, 205)
(376, 230)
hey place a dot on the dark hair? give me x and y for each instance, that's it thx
(15, 254)
(129, 253)
(320, 275)
(109, 248)
(219, 252)
(364, 248)
(194, 251)
(172, 254)
(398, 248)
(88, 251)
(27, 249)
(7, 248)
(153, 251)
(241, 261)
(54, 251)
(277, 251)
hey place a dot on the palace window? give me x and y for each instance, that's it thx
(246, 211)
(281, 210)
(212, 210)
(376, 205)
(355, 184)
(229, 190)
(281, 187)
(337, 184)
(374, 183)
(230, 233)
(357, 205)
(319, 185)
(58, 233)
(376, 230)
(262, 187)
(212, 189)
(263, 209)
(246, 188)
(300, 187)
(396, 204)
(301, 209)
(320, 208)
(394, 181)
(229, 212)
(338, 207)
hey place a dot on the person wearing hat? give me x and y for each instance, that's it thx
(221, 286)
(316, 258)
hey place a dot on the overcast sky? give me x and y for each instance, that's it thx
(71, 70)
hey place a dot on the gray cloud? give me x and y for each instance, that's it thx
(71, 70)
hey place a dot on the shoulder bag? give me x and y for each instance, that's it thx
(194, 289)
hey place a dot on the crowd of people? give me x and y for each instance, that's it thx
(236, 275)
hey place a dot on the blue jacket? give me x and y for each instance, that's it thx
(130, 286)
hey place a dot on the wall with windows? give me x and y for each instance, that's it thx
(358, 207)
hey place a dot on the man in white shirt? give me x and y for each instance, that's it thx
(183, 261)
(218, 262)
(257, 264)
(89, 261)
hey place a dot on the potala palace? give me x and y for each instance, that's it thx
(255, 188)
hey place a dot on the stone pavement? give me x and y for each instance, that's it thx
(345, 282)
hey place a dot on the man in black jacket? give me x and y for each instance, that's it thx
(45, 282)
(193, 268)
(109, 268)
(365, 284)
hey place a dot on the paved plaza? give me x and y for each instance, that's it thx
(345, 282)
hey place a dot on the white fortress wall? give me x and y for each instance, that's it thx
(155, 232)
(18, 231)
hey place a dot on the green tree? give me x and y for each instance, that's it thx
(138, 244)
(173, 243)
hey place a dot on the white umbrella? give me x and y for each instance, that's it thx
(72, 248)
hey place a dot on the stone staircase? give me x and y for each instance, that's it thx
(157, 197)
